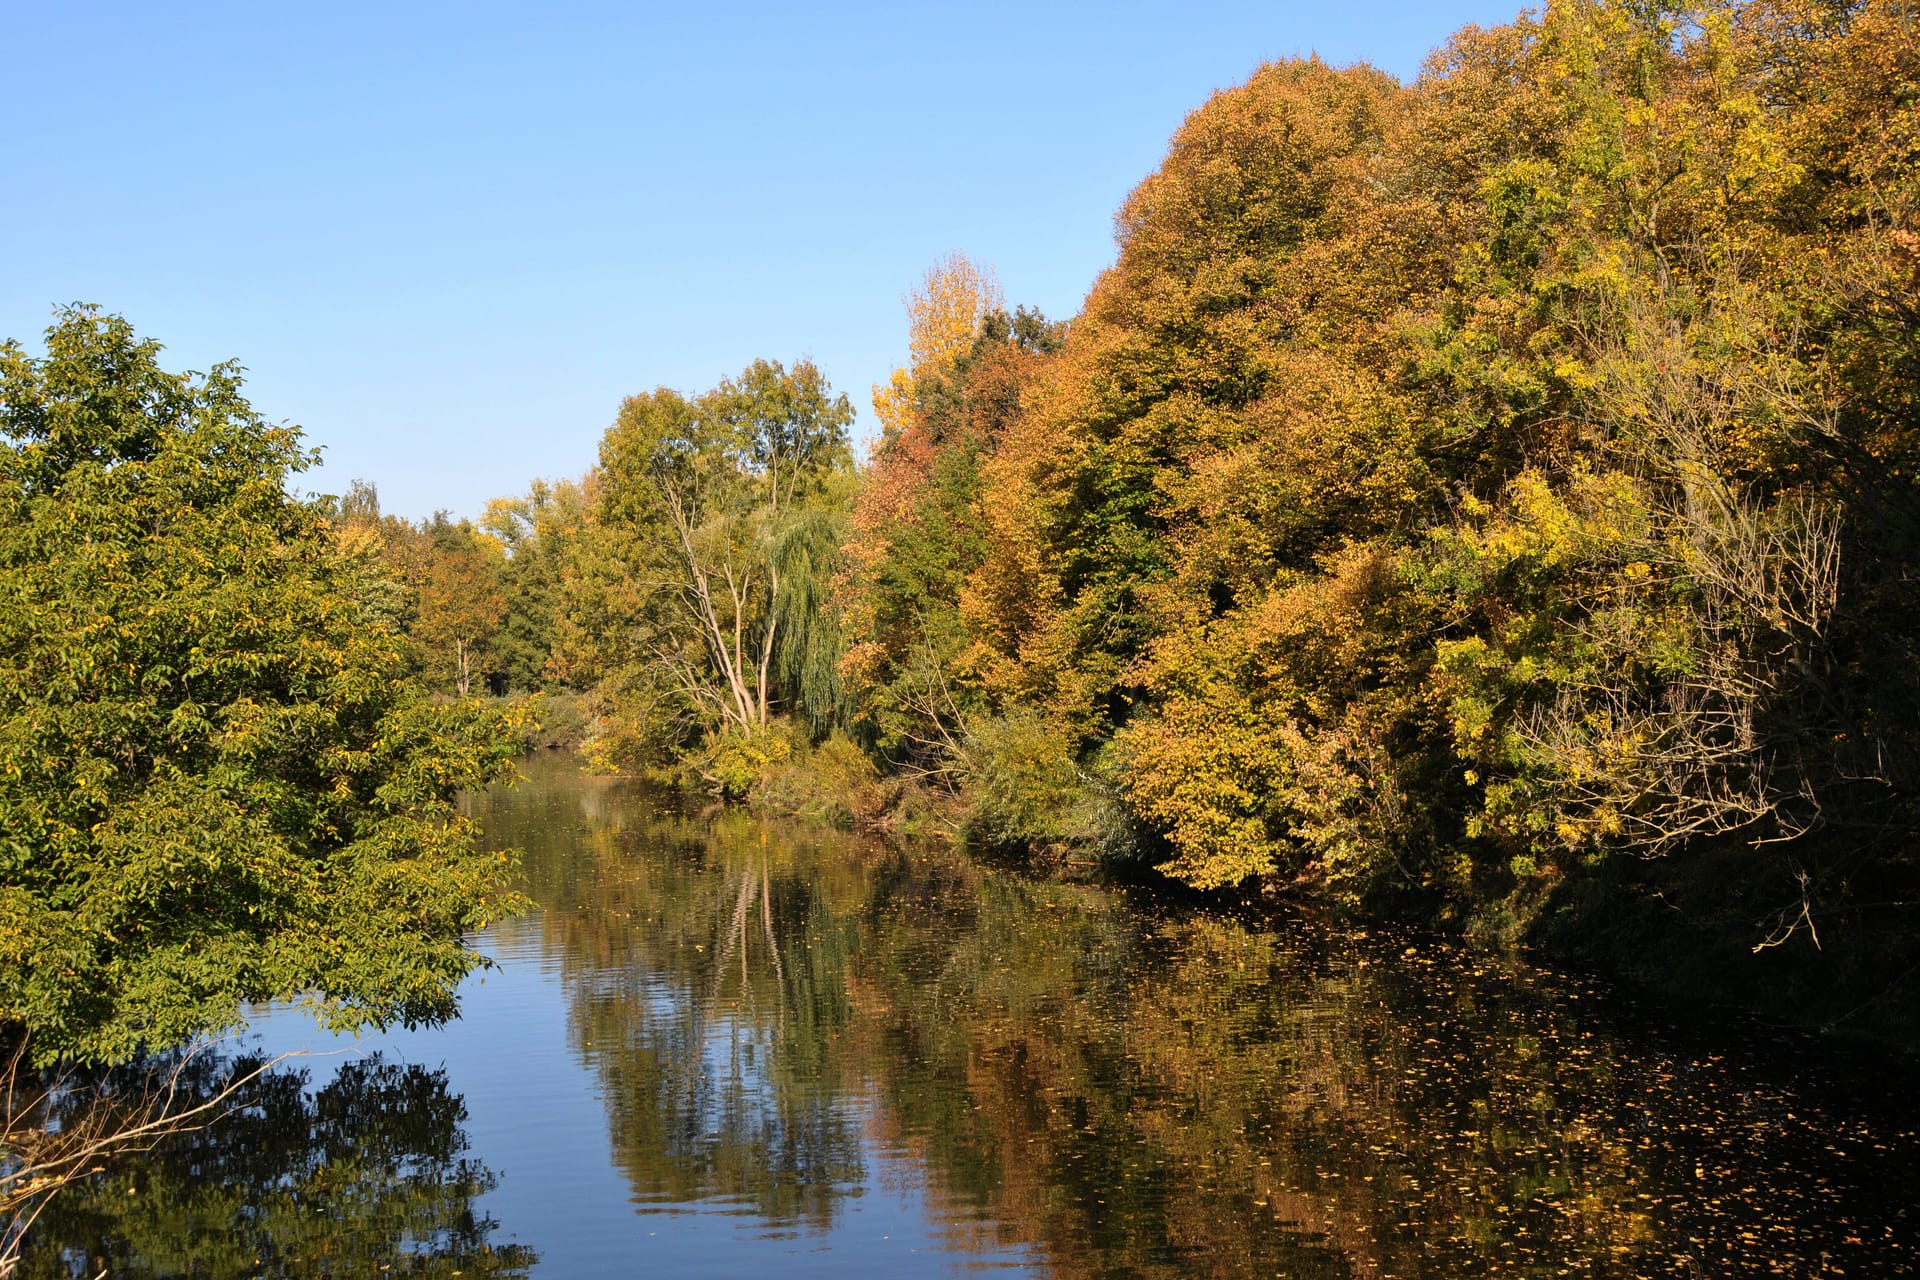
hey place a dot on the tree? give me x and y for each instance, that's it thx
(537, 531)
(917, 530)
(217, 785)
(366, 542)
(445, 582)
(943, 315)
(719, 518)
(1455, 486)
(459, 573)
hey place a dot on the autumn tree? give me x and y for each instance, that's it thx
(444, 582)
(459, 574)
(365, 540)
(1480, 489)
(944, 313)
(917, 533)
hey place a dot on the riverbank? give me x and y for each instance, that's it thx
(1678, 930)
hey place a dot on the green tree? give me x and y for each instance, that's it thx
(366, 540)
(217, 785)
(719, 518)
(537, 531)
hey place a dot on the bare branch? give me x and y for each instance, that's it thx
(46, 1147)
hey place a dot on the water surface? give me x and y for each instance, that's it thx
(723, 1046)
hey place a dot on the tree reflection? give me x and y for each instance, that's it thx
(704, 967)
(1135, 1092)
(1251, 1100)
(366, 1176)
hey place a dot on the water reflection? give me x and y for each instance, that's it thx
(1128, 1092)
(367, 1175)
(708, 1026)
(804, 1049)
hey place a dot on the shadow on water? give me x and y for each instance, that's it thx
(781, 1025)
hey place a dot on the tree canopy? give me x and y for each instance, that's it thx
(218, 785)
(699, 592)
(1497, 489)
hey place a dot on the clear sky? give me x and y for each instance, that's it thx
(447, 239)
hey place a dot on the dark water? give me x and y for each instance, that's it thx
(728, 1047)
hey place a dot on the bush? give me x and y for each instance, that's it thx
(564, 719)
(835, 780)
(735, 763)
(1027, 787)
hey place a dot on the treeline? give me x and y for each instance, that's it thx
(474, 600)
(671, 606)
(1497, 491)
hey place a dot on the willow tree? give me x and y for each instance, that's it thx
(722, 513)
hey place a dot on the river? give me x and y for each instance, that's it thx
(732, 1047)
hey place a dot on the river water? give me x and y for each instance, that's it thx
(730, 1047)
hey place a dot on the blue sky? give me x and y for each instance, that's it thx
(447, 239)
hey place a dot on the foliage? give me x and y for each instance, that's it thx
(1452, 489)
(536, 532)
(443, 582)
(562, 718)
(458, 573)
(697, 585)
(1454, 486)
(1025, 788)
(944, 314)
(833, 779)
(916, 534)
(217, 784)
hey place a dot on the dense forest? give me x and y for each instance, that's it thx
(1492, 497)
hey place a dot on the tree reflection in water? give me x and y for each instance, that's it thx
(366, 1176)
(706, 987)
(1131, 1091)
(774, 1019)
